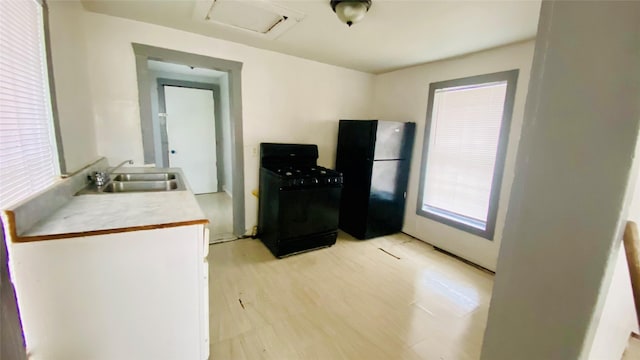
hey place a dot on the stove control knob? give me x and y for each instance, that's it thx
(314, 181)
(301, 182)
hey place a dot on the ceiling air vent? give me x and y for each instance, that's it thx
(258, 17)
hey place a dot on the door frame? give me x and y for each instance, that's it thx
(217, 113)
(143, 53)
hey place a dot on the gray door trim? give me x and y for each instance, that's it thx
(215, 89)
(143, 53)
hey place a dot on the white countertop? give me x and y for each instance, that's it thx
(116, 212)
(87, 213)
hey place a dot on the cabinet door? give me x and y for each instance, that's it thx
(130, 295)
(205, 311)
(205, 243)
(204, 305)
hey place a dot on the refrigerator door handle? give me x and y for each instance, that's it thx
(405, 194)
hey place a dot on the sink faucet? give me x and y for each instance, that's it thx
(101, 178)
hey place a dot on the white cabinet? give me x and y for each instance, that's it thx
(130, 295)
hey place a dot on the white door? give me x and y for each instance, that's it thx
(191, 134)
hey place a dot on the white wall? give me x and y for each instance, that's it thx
(71, 77)
(284, 98)
(402, 96)
(568, 205)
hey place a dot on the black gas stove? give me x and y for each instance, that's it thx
(307, 176)
(299, 200)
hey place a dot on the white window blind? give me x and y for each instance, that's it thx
(28, 157)
(462, 147)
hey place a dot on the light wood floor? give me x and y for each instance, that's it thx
(350, 301)
(217, 207)
(633, 350)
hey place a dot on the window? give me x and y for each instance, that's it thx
(28, 156)
(464, 149)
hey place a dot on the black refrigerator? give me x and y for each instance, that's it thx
(374, 158)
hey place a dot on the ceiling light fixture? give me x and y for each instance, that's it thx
(350, 11)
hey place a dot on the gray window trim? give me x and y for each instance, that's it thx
(215, 89)
(52, 91)
(143, 53)
(462, 223)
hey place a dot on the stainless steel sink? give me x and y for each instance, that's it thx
(145, 177)
(139, 186)
(138, 182)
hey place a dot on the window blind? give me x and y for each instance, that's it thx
(463, 142)
(28, 157)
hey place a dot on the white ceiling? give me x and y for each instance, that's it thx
(394, 33)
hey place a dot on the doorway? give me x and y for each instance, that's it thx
(188, 133)
(191, 118)
(191, 136)
(194, 136)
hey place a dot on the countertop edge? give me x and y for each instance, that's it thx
(9, 218)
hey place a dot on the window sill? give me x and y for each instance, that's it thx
(459, 222)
